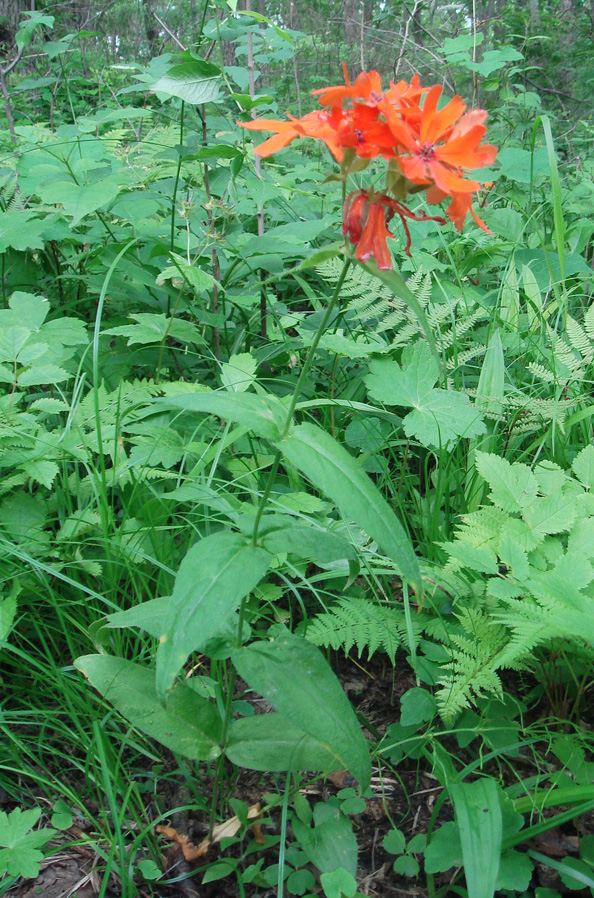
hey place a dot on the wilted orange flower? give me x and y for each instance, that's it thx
(365, 218)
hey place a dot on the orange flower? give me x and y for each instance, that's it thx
(367, 86)
(320, 124)
(436, 150)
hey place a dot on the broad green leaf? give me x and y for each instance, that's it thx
(410, 384)
(263, 415)
(239, 373)
(29, 310)
(294, 677)
(438, 416)
(311, 543)
(148, 616)
(216, 574)
(188, 724)
(195, 82)
(335, 472)
(417, 706)
(272, 742)
(151, 328)
(478, 816)
(444, 851)
(79, 201)
(21, 229)
(331, 843)
(19, 854)
(515, 871)
(339, 884)
(443, 416)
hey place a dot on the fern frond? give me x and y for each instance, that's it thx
(361, 623)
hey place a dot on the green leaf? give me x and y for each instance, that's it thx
(79, 200)
(338, 883)
(195, 82)
(331, 843)
(394, 842)
(513, 487)
(21, 229)
(239, 373)
(417, 706)
(583, 466)
(444, 851)
(271, 742)
(263, 415)
(515, 871)
(62, 816)
(334, 471)
(311, 543)
(152, 328)
(552, 514)
(475, 558)
(294, 677)
(19, 855)
(216, 574)
(188, 724)
(438, 416)
(406, 865)
(478, 816)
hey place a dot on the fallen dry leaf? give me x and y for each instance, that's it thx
(224, 830)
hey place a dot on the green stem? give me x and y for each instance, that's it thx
(296, 394)
(177, 174)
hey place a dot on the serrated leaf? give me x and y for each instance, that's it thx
(514, 557)
(43, 374)
(552, 514)
(583, 466)
(41, 471)
(438, 416)
(476, 558)
(513, 487)
(19, 854)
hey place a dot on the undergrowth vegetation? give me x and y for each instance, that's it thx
(247, 457)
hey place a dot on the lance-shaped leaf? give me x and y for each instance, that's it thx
(335, 472)
(295, 678)
(216, 574)
(478, 815)
(264, 415)
(272, 742)
(188, 724)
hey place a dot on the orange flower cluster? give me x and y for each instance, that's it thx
(426, 148)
